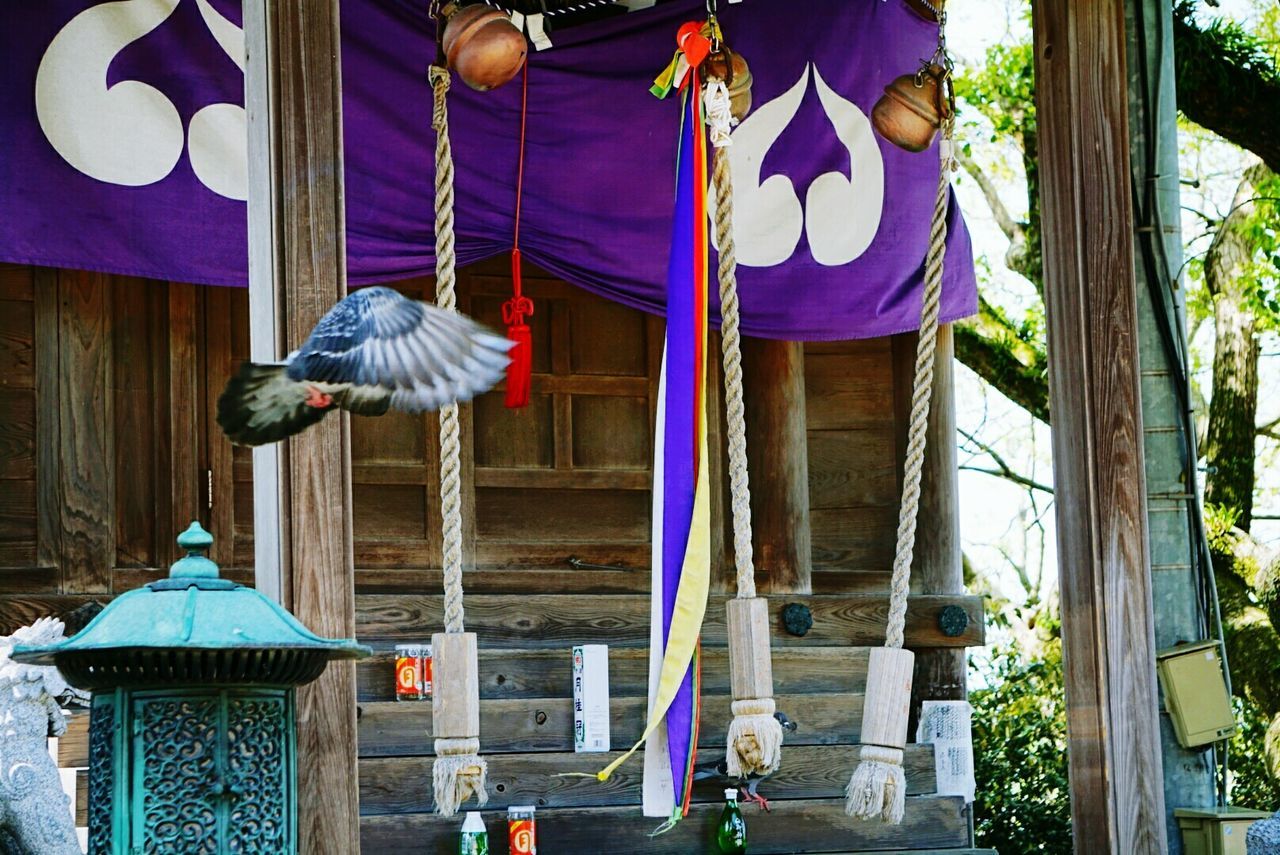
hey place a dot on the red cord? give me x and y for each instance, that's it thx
(520, 371)
(524, 112)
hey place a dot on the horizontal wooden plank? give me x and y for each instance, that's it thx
(418, 473)
(848, 391)
(853, 468)
(621, 619)
(853, 538)
(17, 354)
(28, 579)
(802, 825)
(564, 479)
(509, 568)
(542, 516)
(73, 746)
(391, 729)
(16, 282)
(393, 785)
(19, 610)
(546, 673)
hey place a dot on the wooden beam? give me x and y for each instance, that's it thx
(1117, 799)
(298, 271)
(185, 482)
(555, 620)
(48, 419)
(931, 823)
(778, 463)
(86, 492)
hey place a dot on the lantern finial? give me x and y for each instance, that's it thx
(196, 565)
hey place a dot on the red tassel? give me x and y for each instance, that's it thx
(520, 371)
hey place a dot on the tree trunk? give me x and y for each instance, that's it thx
(1233, 409)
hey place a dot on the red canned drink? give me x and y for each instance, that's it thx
(522, 832)
(411, 682)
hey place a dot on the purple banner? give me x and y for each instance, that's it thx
(125, 152)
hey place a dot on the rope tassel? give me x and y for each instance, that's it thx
(754, 743)
(755, 739)
(458, 773)
(877, 789)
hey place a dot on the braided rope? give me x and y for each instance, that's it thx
(446, 280)
(921, 392)
(731, 347)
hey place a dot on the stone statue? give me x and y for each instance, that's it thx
(1263, 837)
(35, 815)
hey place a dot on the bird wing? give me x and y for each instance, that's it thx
(421, 356)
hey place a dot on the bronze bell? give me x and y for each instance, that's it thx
(912, 108)
(730, 67)
(483, 46)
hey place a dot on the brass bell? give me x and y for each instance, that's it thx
(730, 67)
(912, 108)
(482, 45)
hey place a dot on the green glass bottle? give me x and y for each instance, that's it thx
(474, 839)
(731, 833)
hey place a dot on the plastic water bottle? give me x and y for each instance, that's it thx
(474, 839)
(731, 833)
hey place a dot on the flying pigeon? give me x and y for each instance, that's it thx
(375, 350)
(718, 770)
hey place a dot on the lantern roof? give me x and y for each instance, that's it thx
(151, 632)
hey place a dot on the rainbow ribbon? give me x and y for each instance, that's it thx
(680, 463)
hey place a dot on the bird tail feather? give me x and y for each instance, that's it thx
(261, 404)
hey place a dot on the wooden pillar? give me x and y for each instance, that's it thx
(1117, 799)
(936, 567)
(302, 522)
(778, 462)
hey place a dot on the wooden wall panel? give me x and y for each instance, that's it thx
(853, 462)
(140, 394)
(18, 504)
(86, 488)
(568, 477)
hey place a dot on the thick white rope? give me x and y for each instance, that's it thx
(754, 738)
(731, 341)
(446, 280)
(921, 392)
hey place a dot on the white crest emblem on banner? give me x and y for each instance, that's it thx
(130, 133)
(841, 213)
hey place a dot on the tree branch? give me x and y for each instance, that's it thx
(1013, 230)
(989, 345)
(1004, 470)
(1228, 83)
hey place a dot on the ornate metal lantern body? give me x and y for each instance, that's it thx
(191, 736)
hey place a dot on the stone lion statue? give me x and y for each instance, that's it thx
(35, 814)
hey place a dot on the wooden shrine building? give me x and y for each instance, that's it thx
(108, 448)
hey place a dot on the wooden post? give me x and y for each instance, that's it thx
(455, 696)
(750, 665)
(778, 462)
(293, 93)
(1117, 799)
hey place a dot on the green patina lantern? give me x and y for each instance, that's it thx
(191, 737)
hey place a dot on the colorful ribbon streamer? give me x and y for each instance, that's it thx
(681, 461)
